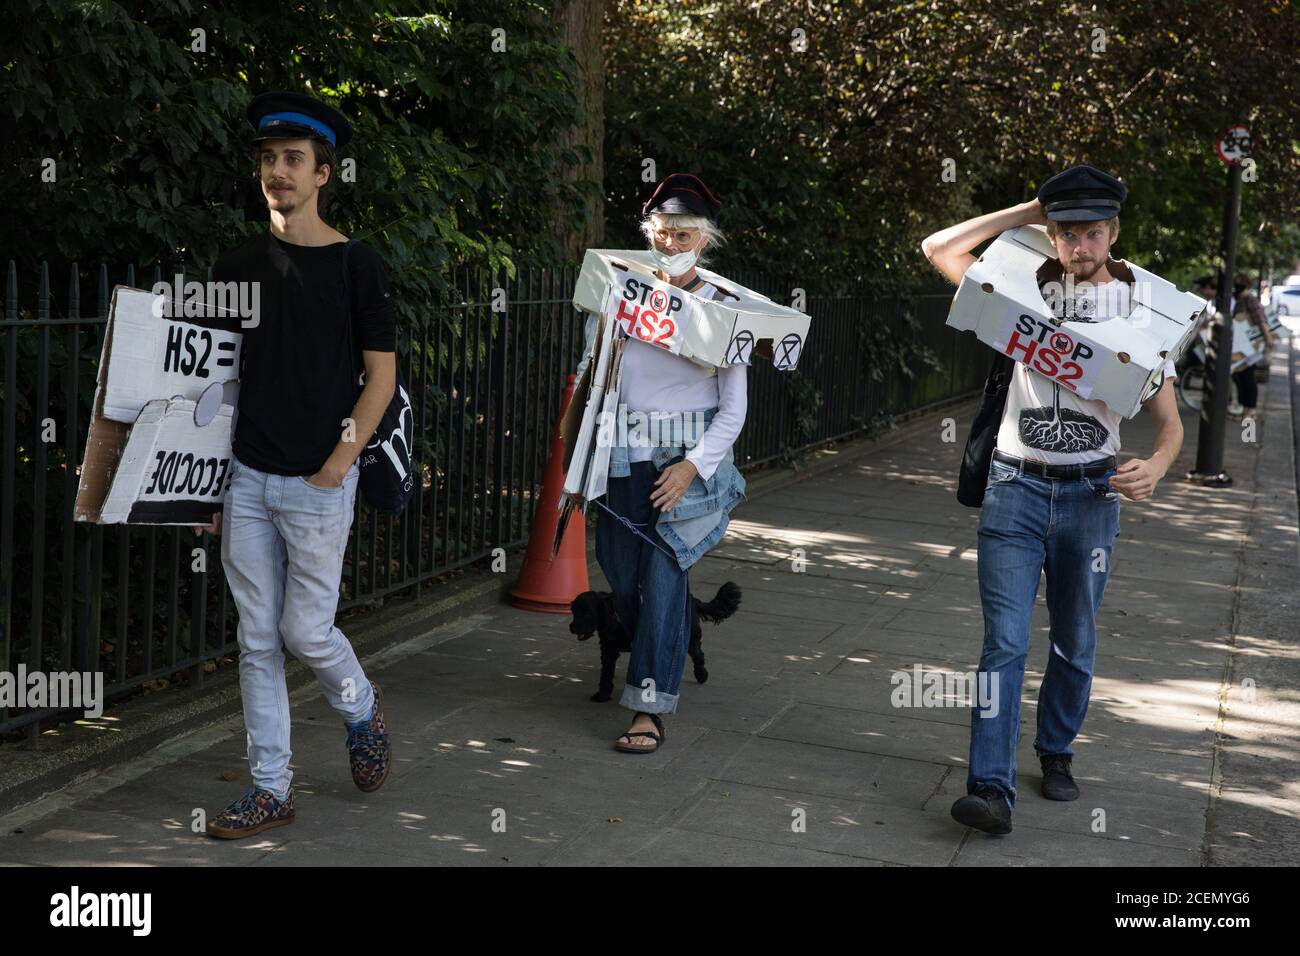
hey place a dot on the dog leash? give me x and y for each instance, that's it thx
(634, 528)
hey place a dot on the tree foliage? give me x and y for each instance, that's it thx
(824, 127)
(455, 106)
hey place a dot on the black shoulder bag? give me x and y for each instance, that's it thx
(387, 465)
(975, 460)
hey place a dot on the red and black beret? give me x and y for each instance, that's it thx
(683, 194)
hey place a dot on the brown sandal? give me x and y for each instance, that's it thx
(658, 738)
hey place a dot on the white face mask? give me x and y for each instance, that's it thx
(680, 264)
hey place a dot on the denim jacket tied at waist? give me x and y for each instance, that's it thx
(702, 514)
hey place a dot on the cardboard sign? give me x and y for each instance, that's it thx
(619, 288)
(586, 455)
(1117, 362)
(1247, 344)
(172, 470)
(150, 461)
(652, 312)
(163, 357)
(621, 283)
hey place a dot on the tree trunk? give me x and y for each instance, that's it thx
(581, 23)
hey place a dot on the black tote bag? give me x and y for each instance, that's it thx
(387, 480)
(975, 460)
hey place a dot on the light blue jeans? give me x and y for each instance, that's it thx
(282, 544)
(1065, 527)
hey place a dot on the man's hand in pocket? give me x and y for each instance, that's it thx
(214, 528)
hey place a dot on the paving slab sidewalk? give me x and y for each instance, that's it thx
(792, 752)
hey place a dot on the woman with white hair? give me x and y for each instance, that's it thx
(669, 495)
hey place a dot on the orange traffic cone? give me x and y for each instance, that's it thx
(550, 584)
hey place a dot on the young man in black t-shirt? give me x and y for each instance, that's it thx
(299, 429)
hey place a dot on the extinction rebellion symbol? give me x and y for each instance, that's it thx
(787, 351)
(741, 346)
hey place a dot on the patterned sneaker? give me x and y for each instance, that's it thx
(369, 751)
(255, 811)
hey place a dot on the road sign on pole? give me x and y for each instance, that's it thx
(1233, 147)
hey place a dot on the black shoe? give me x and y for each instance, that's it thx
(986, 809)
(1057, 782)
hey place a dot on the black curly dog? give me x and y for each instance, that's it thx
(593, 613)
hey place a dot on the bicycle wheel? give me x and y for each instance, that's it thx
(1190, 386)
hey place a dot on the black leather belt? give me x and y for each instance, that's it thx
(1087, 469)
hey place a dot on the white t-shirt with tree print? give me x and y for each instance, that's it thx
(1044, 421)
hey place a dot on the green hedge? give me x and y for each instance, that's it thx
(455, 145)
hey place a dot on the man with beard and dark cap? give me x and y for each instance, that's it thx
(1051, 500)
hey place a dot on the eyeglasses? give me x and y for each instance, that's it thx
(681, 237)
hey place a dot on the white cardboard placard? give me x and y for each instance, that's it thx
(1247, 347)
(172, 471)
(588, 457)
(1117, 362)
(619, 288)
(158, 357)
(1248, 342)
(621, 283)
(145, 362)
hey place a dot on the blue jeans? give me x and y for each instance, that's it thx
(1028, 524)
(282, 543)
(651, 592)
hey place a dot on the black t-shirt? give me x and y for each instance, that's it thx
(297, 376)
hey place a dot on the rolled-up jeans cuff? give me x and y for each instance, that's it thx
(661, 703)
